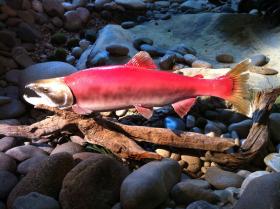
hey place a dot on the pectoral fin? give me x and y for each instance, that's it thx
(144, 111)
(184, 106)
(81, 111)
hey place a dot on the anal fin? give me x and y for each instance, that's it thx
(184, 106)
(144, 111)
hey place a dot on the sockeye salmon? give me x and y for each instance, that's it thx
(138, 84)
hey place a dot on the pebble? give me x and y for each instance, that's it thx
(221, 179)
(31, 164)
(132, 4)
(212, 127)
(189, 191)
(7, 143)
(196, 130)
(73, 21)
(273, 161)
(58, 38)
(53, 7)
(76, 52)
(176, 156)
(201, 204)
(225, 58)
(128, 24)
(190, 121)
(8, 38)
(84, 44)
(7, 163)
(201, 64)
(194, 163)
(70, 59)
(242, 128)
(100, 3)
(167, 61)
(99, 59)
(259, 60)
(37, 6)
(189, 59)
(117, 50)
(149, 186)
(47, 179)
(174, 123)
(69, 147)
(152, 50)
(24, 152)
(93, 183)
(21, 56)
(7, 181)
(35, 200)
(163, 152)
(80, 3)
(68, 6)
(140, 41)
(84, 14)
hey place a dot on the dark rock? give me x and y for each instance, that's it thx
(183, 49)
(91, 35)
(132, 4)
(27, 33)
(7, 163)
(259, 60)
(221, 179)
(99, 59)
(274, 124)
(13, 109)
(77, 51)
(201, 64)
(60, 54)
(47, 179)
(84, 14)
(149, 186)
(100, 3)
(8, 38)
(117, 50)
(15, 4)
(7, 143)
(201, 204)
(53, 7)
(58, 38)
(174, 123)
(25, 152)
(80, 3)
(128, 24)
(167, 61)
(140, 41)
(242, 128)
(189, 59)
(69, 147)
(56, 21)
(261, 193)
(73, 21)
(2, 205)
(152, 50)
(84, 156)
(7, 183)
(225, 58)
(93, 183)
(31, 164)
(35, 200)
(190, 121)
(22, 57)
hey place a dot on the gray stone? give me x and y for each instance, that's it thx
(13, 109)
(225, 58)
(84, 44)
(189, 59)
(57, 22)
(242, 128)
(139, 41)
(117, 50)
(273, 161)
(7, 163)
(190, 121)
(77, 51)
(70, 59)
(7, 183)
(84, 14)
(21, 56)
(53, 7)
(154, 51)
(201, 64)
(166, 62)
(27, 33)
(201, 204)
(35, 200)
(24, 152)
(212, 127)
(221, 179)
(149, 186)
(37, 6)
(69, 147)
(100, 3)
(132, 4)
(73, 21)
(99, 59)
(128, 24)
(80, 3)
(261, 193)
(194, 5)
(31, 164)
(7, 143)
(259, 60)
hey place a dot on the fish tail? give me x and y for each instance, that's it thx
(240, 91)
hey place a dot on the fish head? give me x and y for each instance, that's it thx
(52, 92)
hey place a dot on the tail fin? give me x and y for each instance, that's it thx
(240, 93)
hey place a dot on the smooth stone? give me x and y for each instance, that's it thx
(70, 59)
(53, 7)
(190, 121)
(242, 128)
(149, 186)
(73, 21)
(142, 40)
(77, 51)
(47, 179)
(99, 59)
(7, 163)
(250, 177)
(194, 163)
(196, 130)
(277, 147)
(7, 64)
(201, 64)
(189, 59)
(162, 3)
(261, 193)
(84, 44)
(84, 14)
(78, 157)
(212, 127)
(117, 50)
(128, 24)
(273, 161)
(68, 6)
(152, 50)
(35, 200)
(57, 22)
(24, 152)
(163, 152)
(174, 123)
(194, 5)
(166, 62)
(69, 147)
(28, 33)
(37, 6)
(7, 143)
(183, 49)
(259, 60)
(274, 124)
(100, 3)
(221, 179)
(201, 204)
(132, 4)
(31, 164)
(93, 183)
(13, 109)
(189, 191)
(243, 173)
(7, 183)
(22, 57)
(225, 58)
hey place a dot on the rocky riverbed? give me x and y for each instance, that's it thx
(50, 38)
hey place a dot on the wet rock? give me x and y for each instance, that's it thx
(261, 193)
(27, 33)
(174, 123)
(190, 121)
(242, 128)
(53, 7)
(7, 163)
(35, 200)
(225, 58)
(93, 183)
(31, 164)
(201, 204)
(73, 21)
(250, 177)
(189, 191)
(7, 183)
(221, 179)
(194, 163)
(117, 50)
(7, 143)
(21, 56)
(7, 64)
(167, 61)
(5, 100)
(152, 50)
(132, 4)
(273, 161)
(84, 14)
(149, 186)
(24, 152)
(128, 24)
(201, 64)
(259, 60)
(69, 147)
(140, 41)
(13, 109)
(189, 59)
(77, 51)
(47, 179)
(274, 124)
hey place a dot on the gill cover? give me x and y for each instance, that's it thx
(51, 92)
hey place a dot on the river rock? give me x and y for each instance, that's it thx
(221, 179)
(28, 33)
(261, 193)
(24, 152)
(225, 58)
(201, 204)
(8, 38)
(53, 7)
(250, 177)
(73, 21)
(174, 123)
(274, 124)
(132, 4)
(47, 179)
(273, 161)
(7, 163)
(31, 164)
(78, 157)
(242, 128)
(21, 56)
(7, 143)
(201, 64)
(194, 163)
(69, 147)
(7, 183)
(149, 186)
(35, 200)
(117, 50)
(259, 60)
(93, 183)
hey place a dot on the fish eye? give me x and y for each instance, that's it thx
(45, 90)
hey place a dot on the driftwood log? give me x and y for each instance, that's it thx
(122, 139)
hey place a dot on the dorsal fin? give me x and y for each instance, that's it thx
(142, 59)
